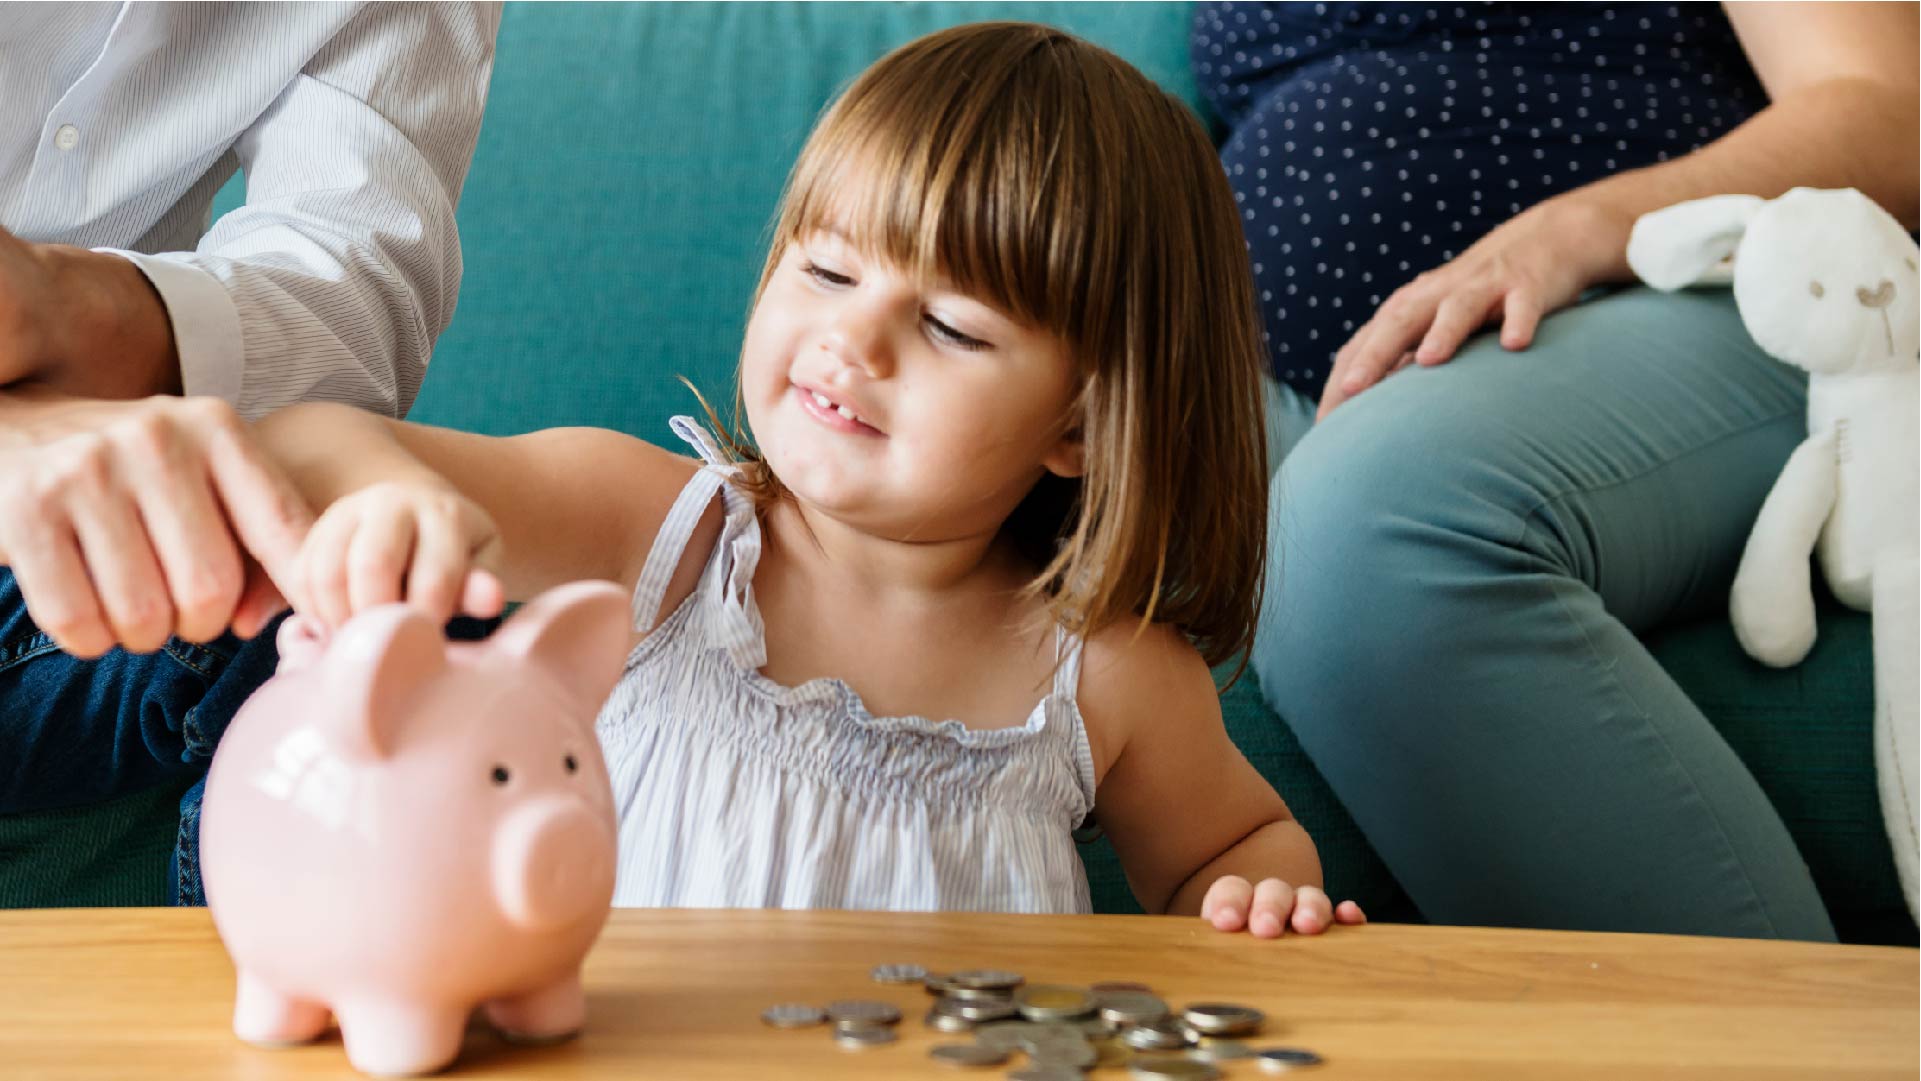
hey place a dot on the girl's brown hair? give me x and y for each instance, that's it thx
(1046, 176)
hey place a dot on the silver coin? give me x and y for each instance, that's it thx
(1163, 1067)
(1046, 1073)
(1096, 1028)
(943, 1021)
(1283, 1059)
(968, 1054)
(859, 1039)
(899, 974)
(935, 982)
(793, 1015)
(1223, 1018)
(1054, 1002)
(1007, 1034)
(990, 1010)
(1212, 1050)
(1081, 1056)
(849, 1013)
(1163, 1035)
(1130, 1007)
(976, 994)
(987, 979)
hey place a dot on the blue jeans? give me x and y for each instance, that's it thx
(1462, 557)
(79, 732)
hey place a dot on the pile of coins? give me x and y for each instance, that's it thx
(1064, 1032)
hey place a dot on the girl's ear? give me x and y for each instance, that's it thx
(1679, 245)
(1068, 458)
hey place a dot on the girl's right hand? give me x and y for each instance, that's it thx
(420, 542)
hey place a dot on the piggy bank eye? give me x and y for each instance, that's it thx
(501, 775)
(572, 764)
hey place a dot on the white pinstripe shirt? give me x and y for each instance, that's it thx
(355, 124)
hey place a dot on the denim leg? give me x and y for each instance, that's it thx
(76, 732)
(1461, 559)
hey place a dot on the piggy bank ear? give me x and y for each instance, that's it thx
(376, 665)
(578, 633)
(300, 642)
(1681, 244)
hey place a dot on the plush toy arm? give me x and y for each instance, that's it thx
(1772, 605)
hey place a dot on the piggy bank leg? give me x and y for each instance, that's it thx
(264, 1016)
(551, 1014)
(389, 1038)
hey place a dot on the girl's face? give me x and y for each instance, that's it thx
(901, 407)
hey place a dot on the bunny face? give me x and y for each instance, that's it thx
(1826, 281)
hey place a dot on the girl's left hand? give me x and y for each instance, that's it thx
(1269, 909)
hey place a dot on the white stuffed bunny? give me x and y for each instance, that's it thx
(1825, 280)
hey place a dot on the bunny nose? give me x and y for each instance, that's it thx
(1882, 296)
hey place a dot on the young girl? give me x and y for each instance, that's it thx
(1002, 505)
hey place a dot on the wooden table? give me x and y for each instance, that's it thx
(123, 993)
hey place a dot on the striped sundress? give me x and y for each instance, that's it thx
(735, 791)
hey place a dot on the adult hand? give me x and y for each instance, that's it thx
(128, 521)
(1531, 265)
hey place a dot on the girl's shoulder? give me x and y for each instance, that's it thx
(1138, 679)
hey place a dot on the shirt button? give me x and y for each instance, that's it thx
(67, 137)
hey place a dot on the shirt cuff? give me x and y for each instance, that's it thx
(206, 324)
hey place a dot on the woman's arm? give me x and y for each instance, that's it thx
(543, 508)
(1842, 79)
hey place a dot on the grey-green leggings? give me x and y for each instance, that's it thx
(1461, 558)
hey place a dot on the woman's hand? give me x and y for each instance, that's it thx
(1531, 265)
(420, 542)
(1269, 909)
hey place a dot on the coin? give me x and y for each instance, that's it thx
(1096, 1028)
(1212, 1050)
(1283, 1059)
(1163, 1067)
(792, 1015)
(967, 1054)
(899, 974)
(1163, 1035)
(1131, 1007)
(976, 994)
(859, 1039)
(1223, 1019)
(943, 1021)
(984, 1010)
(1080, 1056)
(987, 979)
(849, 1013)
(1054, 1002)
(935, 982)
(1046, 1073)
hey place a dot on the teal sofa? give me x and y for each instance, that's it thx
(613, 226)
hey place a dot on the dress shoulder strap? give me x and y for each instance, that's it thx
(671, 542)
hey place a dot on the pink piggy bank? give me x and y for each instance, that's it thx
(399, 829)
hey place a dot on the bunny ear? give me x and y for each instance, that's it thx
(1680, 244)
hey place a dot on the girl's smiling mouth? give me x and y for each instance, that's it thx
(833, 414)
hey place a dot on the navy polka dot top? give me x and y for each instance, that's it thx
(1370, 142)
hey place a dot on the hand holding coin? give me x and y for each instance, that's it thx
(1267, 910)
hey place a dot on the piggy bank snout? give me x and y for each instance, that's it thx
(553, 863)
